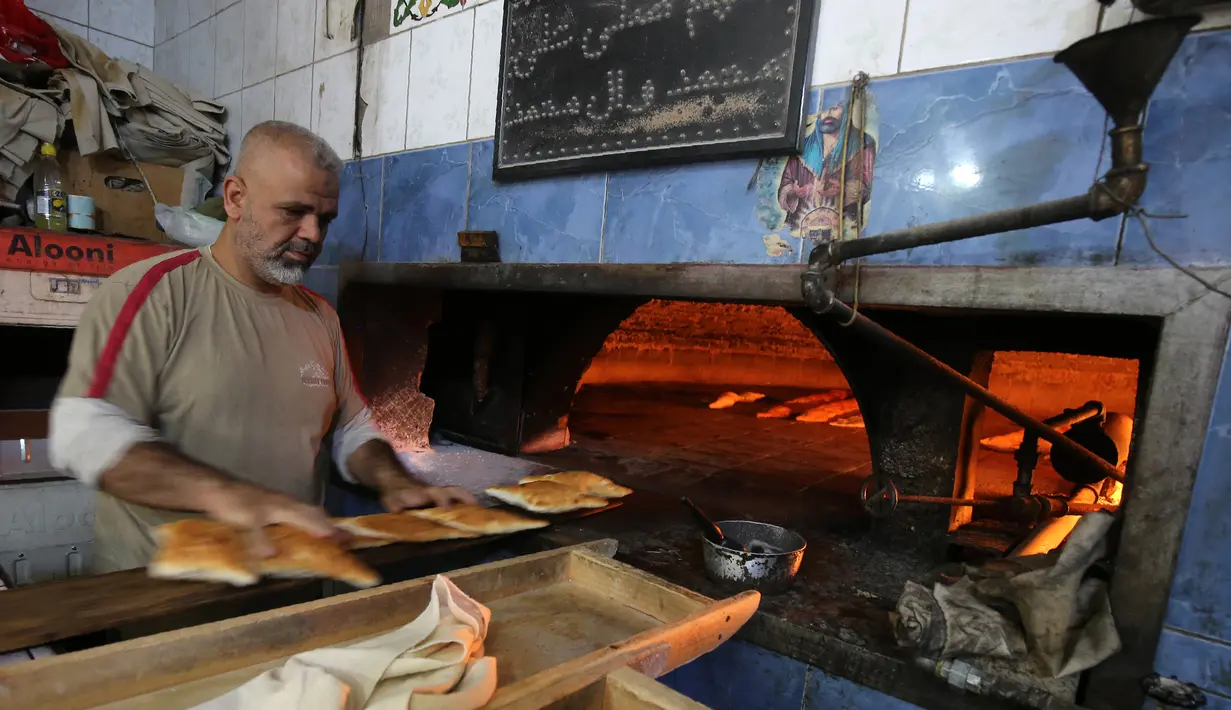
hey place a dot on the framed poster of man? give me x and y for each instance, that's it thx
(591, 85)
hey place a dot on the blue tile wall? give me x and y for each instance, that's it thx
(356, 229)
(738, 676)
(947, 144)
(1201, 590)
(690, 213)
(1196, 660)
(826, 692)
(424, 204)
(1188, 147)
(967, 141)
(558, 220)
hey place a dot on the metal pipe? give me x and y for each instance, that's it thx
(1067, 209)
(823, 301)
(1027, 455)
(1123, 186)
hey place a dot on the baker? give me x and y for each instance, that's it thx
(203, 382)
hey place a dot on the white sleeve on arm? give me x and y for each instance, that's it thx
(88, 436)
(350, 436)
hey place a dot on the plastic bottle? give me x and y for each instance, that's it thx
(50, 202)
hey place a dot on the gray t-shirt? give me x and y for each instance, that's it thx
(249, 383)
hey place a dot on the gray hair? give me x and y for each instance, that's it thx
(285, 133)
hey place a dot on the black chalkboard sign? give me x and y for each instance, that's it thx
(599, 84)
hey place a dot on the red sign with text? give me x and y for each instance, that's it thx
(58, 252)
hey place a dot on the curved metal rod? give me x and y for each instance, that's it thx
(822, 300)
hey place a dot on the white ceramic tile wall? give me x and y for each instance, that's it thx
(233, 103)
(63, 24)
(120, 48)
(122, 28)
(334, 26)
(229, 50)
(257, 105)
(130, 19)
(201, 58)
(485, 70)
(293, 97)
(333, 108)
(386, 75)
(260, 40)
(435, 82)
(296, 28)
(941, 33)
(857, 36)
(72, 10)
(439, 100)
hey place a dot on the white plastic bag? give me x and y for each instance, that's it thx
(187, 227)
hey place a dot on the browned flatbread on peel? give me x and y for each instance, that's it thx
(202, 550)
(477, 519)
(584, 481)
(545, 497)
(299, 554)
(401, 527)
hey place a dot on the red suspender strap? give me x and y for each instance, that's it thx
(105, 367)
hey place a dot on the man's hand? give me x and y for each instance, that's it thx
(403, 494)
(251, 508)
(376, 466)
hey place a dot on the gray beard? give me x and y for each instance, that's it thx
(277, 271)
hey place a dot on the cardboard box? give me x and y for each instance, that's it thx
(122, 202)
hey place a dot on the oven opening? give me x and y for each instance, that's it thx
(721, 398)
(768, 413)
(32, 363)
(1091, 398)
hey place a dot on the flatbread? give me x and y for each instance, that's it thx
(827, 412)
(477, 519)
(545, 497)
(299, 554)
(821, 397)
(401, 527)
(583, 481)
(729, 399)
(202, 550)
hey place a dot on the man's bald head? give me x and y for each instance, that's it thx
(270, 136)
(280, 200)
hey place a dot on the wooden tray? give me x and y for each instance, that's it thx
(35, 615)
(561, 622)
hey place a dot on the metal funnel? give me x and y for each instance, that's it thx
(1121, 67)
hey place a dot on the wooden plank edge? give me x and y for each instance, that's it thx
(626, 689)
(635, 588)
(96, 676)
(685, 639)
(567, 679)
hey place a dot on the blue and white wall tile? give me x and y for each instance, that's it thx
(1188, 147)
(425, 204)
(355, 232)
(554, 220)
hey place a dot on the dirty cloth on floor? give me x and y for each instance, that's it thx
(1045, 606)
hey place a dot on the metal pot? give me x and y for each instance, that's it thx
(770, 564)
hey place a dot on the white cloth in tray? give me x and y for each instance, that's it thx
(435, 662)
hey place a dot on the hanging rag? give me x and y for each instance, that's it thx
(435, 662)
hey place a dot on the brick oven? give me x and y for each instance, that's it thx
(718, 383)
